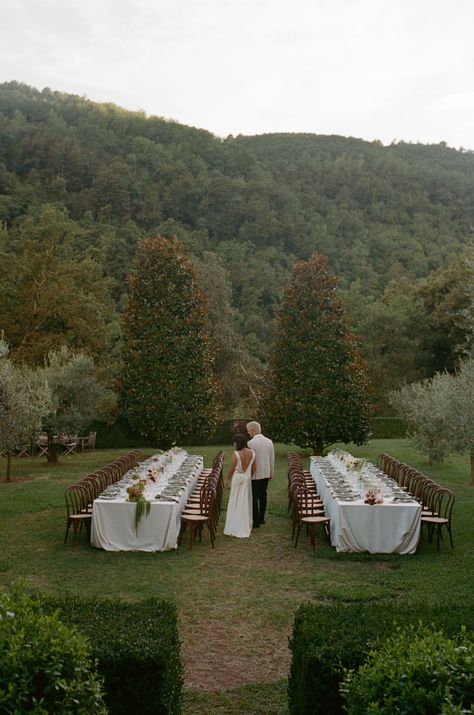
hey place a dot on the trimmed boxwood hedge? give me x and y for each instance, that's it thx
(388, 428)
(119, 435)
(329, 637)
(137, 649)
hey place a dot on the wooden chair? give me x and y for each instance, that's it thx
(70, 444)
(196, 520)
(78, 511)
(443, 501)
(24, 451)
(42, 444)
(309, 516)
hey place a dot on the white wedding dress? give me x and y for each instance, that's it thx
(239, 509)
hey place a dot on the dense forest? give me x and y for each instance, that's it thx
(81, 183)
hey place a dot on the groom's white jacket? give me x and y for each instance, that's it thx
(264, 456)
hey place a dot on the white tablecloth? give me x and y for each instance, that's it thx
(113, 523)
(379, 529)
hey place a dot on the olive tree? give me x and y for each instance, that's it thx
(77, 395)
(426, 407)
(461, 403)
(23, 404)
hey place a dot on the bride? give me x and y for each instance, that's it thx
(239, 509)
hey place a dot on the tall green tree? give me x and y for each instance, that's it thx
(168, 389)
(52, 291)
(316, 391)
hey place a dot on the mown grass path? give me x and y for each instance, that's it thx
(236, 602)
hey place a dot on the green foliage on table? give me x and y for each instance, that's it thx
(168, 389)
(331, 637)
(417, 670)
(137, 649)
(315, 391)
(45, 665)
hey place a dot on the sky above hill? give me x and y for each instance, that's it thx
(375, 69)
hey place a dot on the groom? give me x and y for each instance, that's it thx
(264, 466)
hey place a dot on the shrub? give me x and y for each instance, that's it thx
(417, 670)
(328, 638)
(45, 666)
(388, 428)
(137, 650)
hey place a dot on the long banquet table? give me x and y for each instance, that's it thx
(389, 527)
(113, 517)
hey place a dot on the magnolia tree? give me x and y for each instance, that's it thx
(315, 390)
(461, 404)
(77, 396)
(23, 403)
(168, 390)
(426, 408)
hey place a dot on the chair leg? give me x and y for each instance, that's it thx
(192, 529)
(298, 529)
(181, 532)
(450, 535)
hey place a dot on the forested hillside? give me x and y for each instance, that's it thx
(81, 183)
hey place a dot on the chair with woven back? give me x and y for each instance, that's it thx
(78, 510)
(309, 515)
(443, 503)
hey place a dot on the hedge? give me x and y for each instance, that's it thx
(417, 670)
(137, 649)
(328, 638)
(45, 665)
(388, 428)
(120, 435)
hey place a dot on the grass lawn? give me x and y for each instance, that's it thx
(236, 602)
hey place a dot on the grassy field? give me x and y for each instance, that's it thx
(236, 602)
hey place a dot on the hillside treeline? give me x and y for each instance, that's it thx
(82, 182)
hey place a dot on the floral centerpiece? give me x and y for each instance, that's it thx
(373, 497)
(136, 494)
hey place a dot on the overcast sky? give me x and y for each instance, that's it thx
(375, 69)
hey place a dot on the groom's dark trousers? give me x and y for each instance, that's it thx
(259, 500)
